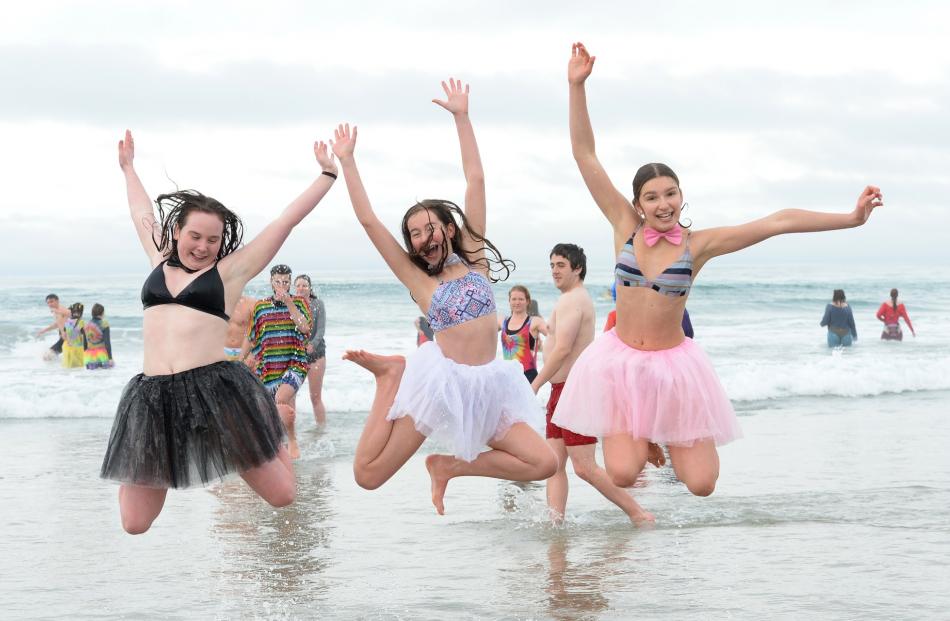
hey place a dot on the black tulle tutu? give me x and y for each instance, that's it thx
(190, 428)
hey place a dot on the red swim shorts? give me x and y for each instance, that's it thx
(559, 433)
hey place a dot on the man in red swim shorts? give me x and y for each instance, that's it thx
(570, 330)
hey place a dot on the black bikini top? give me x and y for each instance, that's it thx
(205, 293)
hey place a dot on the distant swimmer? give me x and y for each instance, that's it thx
(890, 313)
(237, 329)
(643, 381)
(192, 416)
(424, 332)
(60, 315)
(277, 338)
(316, 347)
(840, 321)
(453, 389)
(98, 354)
(521, 343)
(74, 338)
(571, 331)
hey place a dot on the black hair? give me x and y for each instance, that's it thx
(838, 295)
(448, 213)
(894, 299)
(75, 310)
(652, 171)
(98, 310)
(281, 268)
(52, 296)
(574, 254)
(179, 205)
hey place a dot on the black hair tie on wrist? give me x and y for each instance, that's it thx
(329, 174)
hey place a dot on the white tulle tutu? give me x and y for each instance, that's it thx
(464, 407)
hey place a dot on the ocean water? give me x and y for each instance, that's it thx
(833, 505)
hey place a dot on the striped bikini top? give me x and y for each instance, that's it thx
(674, 281)
(457, 301)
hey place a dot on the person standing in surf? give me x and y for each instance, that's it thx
(452, 389)
(522, 343)
(644, 381)
(192, 416)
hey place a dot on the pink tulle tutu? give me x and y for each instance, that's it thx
(671, 396)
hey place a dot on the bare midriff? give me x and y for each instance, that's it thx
(474, 342)
(178, 338)
(649, 321)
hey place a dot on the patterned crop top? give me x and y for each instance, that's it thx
(457, 301)
(674, 281)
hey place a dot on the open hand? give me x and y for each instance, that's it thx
(870, 198)
(580, 65)
(344, 142)
(324, 157)
(126, 151)
(456, 100)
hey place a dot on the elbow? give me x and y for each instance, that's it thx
(475, 178)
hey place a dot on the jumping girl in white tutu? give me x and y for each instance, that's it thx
(192, 416)
(644, 381)
(452, 389)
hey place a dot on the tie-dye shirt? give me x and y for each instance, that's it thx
(278, 345)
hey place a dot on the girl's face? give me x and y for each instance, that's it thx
(424, 224)
(199, 240)
(518, 302)
(302, 288)
(660, 203)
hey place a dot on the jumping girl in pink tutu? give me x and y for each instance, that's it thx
(644, 381)
(451, 389)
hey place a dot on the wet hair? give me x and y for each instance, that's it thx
(98, 310)
(182, 203)
(654, 170)
(838, 295)
(75, 310)
(894, 299)
(574, 254)
(52, 296)
(522, 289)
(448, 213)
(281, 269)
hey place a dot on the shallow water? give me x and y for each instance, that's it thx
(834, 505)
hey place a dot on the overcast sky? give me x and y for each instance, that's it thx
(757, 106)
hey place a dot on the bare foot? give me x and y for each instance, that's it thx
(642, 517)
(438, 467)
(655, 456)
(376, 364)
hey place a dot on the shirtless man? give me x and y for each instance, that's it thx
(238, 328)
(570, 330)
(60, 315)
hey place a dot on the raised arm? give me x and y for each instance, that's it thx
(241, 266)
(344, 144)
(456, 102)
(611, 202)
(724, 240)
(140, 205)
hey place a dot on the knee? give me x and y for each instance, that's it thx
(282, 495)
(286, 412)
(584, 470)
(135, 525)
(367, 479)
(701, 487)
(548, 466)
(622, 478)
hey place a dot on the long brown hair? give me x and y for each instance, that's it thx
(448, 213)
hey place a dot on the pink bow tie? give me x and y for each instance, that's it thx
(674, 235)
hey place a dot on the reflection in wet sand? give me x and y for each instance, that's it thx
(575, 587)
(277, 555)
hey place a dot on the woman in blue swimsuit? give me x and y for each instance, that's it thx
(191, 416)
(452, 389)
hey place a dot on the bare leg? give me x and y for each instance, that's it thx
(285, 397)
(384, 445)
(139, 506)
(697, 466)
(557, 485)
(315, 383)
(274, 481)
(624, 457)
(584, 460)
(521, 455)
